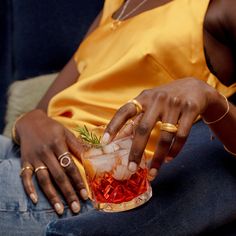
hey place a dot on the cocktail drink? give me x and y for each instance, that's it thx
(113, 186)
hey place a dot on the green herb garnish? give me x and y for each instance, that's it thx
(89, 137)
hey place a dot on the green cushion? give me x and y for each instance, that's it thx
(23, 96)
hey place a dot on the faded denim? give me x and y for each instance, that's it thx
(18, 215)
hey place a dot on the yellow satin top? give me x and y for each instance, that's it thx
(151, 49)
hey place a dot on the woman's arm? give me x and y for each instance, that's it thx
(178, 104)
(43, 140)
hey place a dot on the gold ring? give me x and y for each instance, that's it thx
(26, 168)
(65, 161)
(40, 168)
(167, 127)
(138, 106)
(63, 154)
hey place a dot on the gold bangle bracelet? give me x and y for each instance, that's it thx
(220, 118)
(227, 150)
(13, 130)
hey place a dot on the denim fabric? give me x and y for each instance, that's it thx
(18, 215)
(193, 195)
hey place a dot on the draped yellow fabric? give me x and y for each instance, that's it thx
(145, 51)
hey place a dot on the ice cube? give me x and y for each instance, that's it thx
(103, 163)
(93, 152)
(111, 147)
(124, 143)
(121, 172)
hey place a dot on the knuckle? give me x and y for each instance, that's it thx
(165, 140)
(124, 109)
(181, 136)
(43, 149)
(57, 141)
(191, 106)
(54, 199)
(43, 180)
(145, 93)
(71, 169)
(142, 128)
(80, 184)
(161, 96)
(27, 185)
(57, 128)
(60, 177)
(70, 195)
(175, 101)
(137, 154)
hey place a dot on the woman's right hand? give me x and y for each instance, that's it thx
(42, 141)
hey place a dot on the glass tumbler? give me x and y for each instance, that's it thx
(113, 187)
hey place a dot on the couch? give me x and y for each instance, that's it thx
(37, 38)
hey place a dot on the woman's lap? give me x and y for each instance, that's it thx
(194, 194)
(18, 215)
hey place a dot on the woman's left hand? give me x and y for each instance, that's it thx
(176, 104)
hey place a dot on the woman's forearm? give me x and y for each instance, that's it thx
(221, 118)
(67, 77)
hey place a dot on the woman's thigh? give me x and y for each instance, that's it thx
(194, 194)
(18, 215)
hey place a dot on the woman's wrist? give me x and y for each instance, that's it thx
(14, 135)
(14, 130)
(217, 109)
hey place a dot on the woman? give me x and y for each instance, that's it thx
(173, 61)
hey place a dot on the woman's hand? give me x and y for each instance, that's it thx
(178, 103)
(43, 140)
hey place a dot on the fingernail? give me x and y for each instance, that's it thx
(59, 209)
(84, 194)
(152, 173)
(34, 198)
(75, 207)
(105, 138)
(132, 166)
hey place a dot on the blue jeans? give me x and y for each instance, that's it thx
(18, 215)
(195, 194)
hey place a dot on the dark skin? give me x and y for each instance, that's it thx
(179, 105)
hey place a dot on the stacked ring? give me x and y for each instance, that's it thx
(65, 159)
(138, 106)
(26, 168)
(40, 168)
(168, 127)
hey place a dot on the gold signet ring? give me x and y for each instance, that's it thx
(138, 106)
(168, 127)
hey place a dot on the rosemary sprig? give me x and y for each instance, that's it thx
(89, 137)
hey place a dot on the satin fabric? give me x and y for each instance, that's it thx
(148, 50)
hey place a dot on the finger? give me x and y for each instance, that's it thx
(26, 176)
(141, 136)
(74, 145)
(166, 138)
(119, 119)
(62, 181)
(129, 127)
(75, 176)
(185, 123)
(48, 188)
(69, 166)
